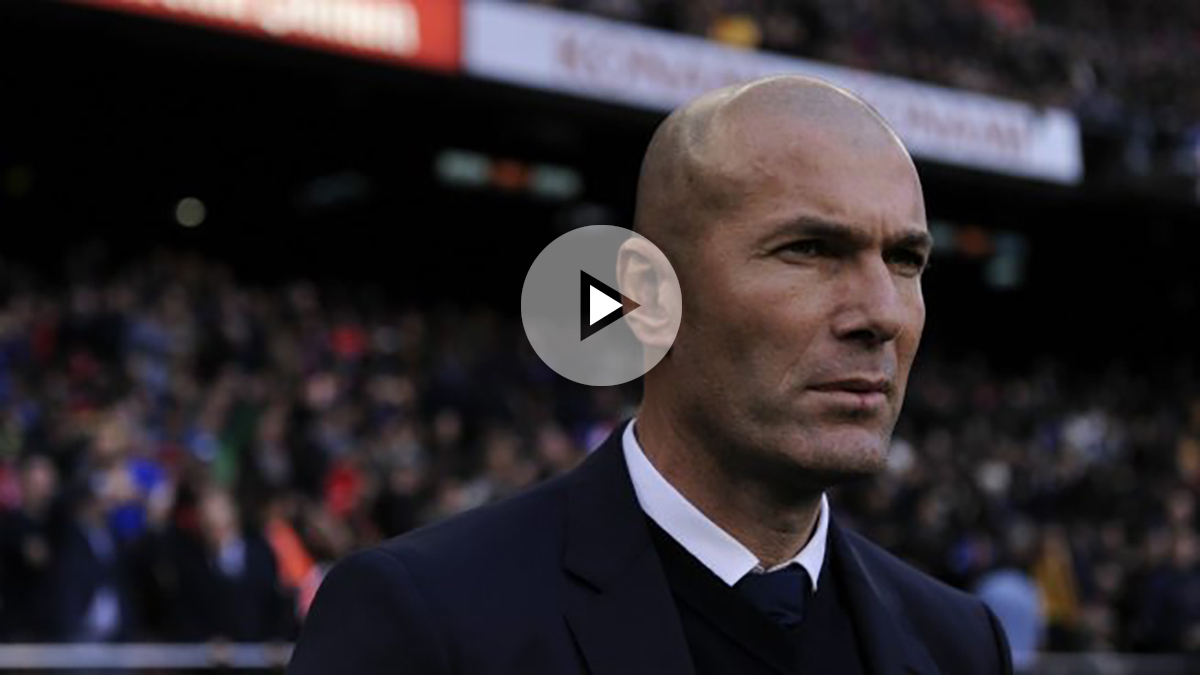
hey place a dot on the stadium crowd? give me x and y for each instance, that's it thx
(1123, 66)
(183, 455)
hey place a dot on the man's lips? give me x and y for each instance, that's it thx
(860, 394)
(858, 385)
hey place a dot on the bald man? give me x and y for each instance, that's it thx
(698, 538)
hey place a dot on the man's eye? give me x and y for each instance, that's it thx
(805, 247)
(910, 259)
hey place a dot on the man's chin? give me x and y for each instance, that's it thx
(842, 453)
(815, 456)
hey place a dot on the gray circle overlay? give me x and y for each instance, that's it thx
(551, 307)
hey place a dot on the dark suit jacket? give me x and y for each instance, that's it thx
(564, 579)
(78, 572)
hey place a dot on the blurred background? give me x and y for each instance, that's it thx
(261, 265)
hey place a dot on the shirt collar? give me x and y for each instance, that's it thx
(704, 539)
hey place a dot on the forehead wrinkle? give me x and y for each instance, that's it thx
(816, 226)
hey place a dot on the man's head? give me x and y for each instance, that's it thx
(795, 221)
(218, 516)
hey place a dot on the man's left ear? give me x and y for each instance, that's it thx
(645, 275)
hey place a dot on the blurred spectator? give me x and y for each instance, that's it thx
(26, 556)
(299, 575)
(1055, 574)
(1013, 595)
(89, 592)
(1169, 619)
(227, 580)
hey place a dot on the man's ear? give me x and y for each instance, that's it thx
(646, 277)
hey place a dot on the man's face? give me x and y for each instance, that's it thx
(809, 275)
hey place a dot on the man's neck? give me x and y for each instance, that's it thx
(738, 504)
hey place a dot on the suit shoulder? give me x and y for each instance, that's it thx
(956, 627)
(903, 577)
(362, 605)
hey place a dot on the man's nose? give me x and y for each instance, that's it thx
(871, 308)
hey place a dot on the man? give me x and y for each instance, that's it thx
(224, 577)
(697, 538)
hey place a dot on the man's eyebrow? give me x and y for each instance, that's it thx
(918, 239)
(808, 226)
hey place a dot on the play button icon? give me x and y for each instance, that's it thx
(600, 305)
(584, 322)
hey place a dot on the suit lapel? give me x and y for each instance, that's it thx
(617, 600)
(890, 644)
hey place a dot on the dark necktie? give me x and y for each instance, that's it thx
(781, 594)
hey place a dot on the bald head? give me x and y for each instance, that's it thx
(710, 154)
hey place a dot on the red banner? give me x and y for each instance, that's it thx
(417, 32)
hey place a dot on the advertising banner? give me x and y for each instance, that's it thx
(412, 32)
(621, 63)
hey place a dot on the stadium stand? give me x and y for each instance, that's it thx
(188, 442)
(172, 402)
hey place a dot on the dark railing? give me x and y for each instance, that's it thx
(164, 658)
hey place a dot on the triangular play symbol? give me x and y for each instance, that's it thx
(599, 305)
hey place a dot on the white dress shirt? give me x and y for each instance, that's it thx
(720, 552)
